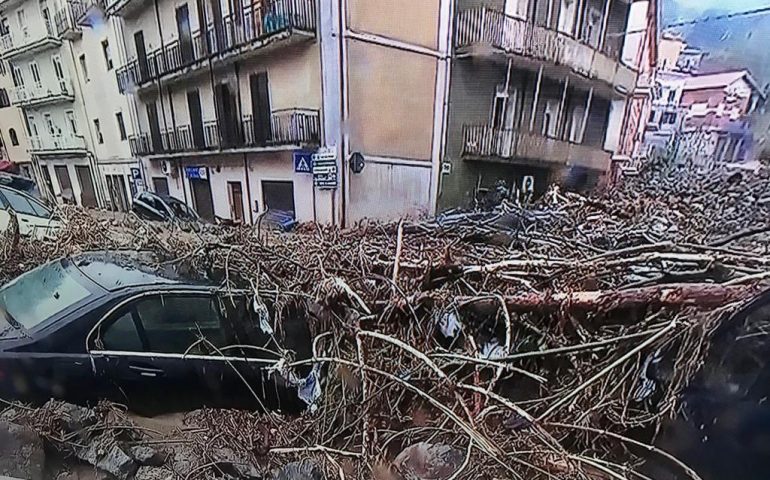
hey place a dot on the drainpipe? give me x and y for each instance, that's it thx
(536, 98)
(342, 148)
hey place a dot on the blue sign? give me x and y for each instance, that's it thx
(196, 173)
(303, 161)
(136, 174)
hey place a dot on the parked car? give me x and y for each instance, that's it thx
(106, 325)
(22, 184)
(35, 219)
(163, 208)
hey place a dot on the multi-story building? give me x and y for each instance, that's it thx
(14, 145)
(538, 91)
(62, 67)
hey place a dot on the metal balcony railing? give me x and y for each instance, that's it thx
(247, 26)
(484, 26)
(15, 43)
(287, 127)
(65, 19)
(37, 94)
(482, 141)
(57, 143)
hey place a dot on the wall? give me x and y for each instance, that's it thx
(11, 117)
(404, 20)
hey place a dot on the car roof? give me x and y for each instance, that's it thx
(116, 270)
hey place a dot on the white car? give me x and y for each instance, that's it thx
(35, 219)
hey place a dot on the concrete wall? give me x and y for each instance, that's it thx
(410, 21)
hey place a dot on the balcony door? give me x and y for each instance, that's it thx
(46, 14)
(35, 73)
(185, 33)
(152, 119)
(260, 108)
(58, 70)
(18, 77)
(196, 118)
(504, 120)
(141, 56)
(567, 15)
(227, 115)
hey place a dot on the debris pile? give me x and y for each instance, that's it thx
(540, 341)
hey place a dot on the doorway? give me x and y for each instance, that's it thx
(235, 194)
(118, 197)
(65, 183)
(202, 199)
(152, 118)
(141, 57)
(196, 118)
(160, 185)
(227, 114)
(87, 190)
(278, 196)
(185, 34)
(260, 108)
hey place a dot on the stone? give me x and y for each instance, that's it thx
(105, 454)
(301, 470)
(427, 461)
(147, 456)
(21, 452)
(152, 473)
(74, 417)
(234, 464)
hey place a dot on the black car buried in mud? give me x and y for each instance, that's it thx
(105, 325)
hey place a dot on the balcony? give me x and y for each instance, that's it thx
(481, 31)
(254, 29)
(66, 21)
(87, 13)
(26, 42)
(289, 127)
(57, 144)
(38, 95)
(488, 143)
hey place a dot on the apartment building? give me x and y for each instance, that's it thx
(538, 93)
(14, 145)
(62, 68)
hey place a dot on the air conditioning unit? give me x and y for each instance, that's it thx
(167, 168)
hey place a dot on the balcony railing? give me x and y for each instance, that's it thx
(85, 12)
(12, 44)
(42, 94)
(54, 143)
(287, 127)
(512, 35)
(66, 20)
(249, 26)
(482, 141)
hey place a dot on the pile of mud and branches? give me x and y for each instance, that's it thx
(532, 341)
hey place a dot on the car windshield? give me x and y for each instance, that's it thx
(40, 294)
(181, 210)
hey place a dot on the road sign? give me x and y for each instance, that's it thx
(303, 161)
(325, 168)
(196, 173)
(136, 173)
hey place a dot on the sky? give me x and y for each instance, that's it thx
(699, 6)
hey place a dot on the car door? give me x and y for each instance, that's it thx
(35, 219)
(161, 348)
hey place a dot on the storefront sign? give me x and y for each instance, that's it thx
(303, 161)
(196, 173)
(325, 168)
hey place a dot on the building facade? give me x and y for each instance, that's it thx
(62, 69)
(538, 94)
(14, 145)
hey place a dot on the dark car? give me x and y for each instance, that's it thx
(163, 208)
(106, 325)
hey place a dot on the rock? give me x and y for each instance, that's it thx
(235, 464)
(21, 452)
(302, 470)
(105, 454)
(426, 461)
(152, 473)
(75, 418)
(147, 456)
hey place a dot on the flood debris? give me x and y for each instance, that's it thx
(527, 341)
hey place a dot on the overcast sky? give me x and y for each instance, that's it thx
(729, 5)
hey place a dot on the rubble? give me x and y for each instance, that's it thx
(21, 452)
(535, 340)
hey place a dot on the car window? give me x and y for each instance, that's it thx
(19, 203)
(122, 335)
(172, 323)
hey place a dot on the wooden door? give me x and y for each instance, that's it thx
(152, 118)
(87, 190)
(260, 108)
(185, 33)
(141, 56)
(196, 118)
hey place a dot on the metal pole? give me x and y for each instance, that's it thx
(605, 20)
(535, 99)
(560, 117)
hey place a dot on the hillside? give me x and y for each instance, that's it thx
(739, 42)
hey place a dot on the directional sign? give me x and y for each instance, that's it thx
(325, 168)
(303, 161)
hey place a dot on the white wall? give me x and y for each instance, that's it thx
(614, 125)
(389, 191)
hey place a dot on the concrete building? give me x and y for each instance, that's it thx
(14, 145)
(537, 94)
(61, 64)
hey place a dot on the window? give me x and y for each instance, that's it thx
(4, 100)
(71, 123)
(174, 323)
(3, 69)
(671, 96)
(122, 336)
(98, 130)
(668, 118)
(31, 126)
(22, 20)
(18, 78)
(23, 205)
(84, 67)
(57, 67)
(49, 123)
(107, 54)
(35, 72)
(4, 28)
(121, 125)
(14, 137)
